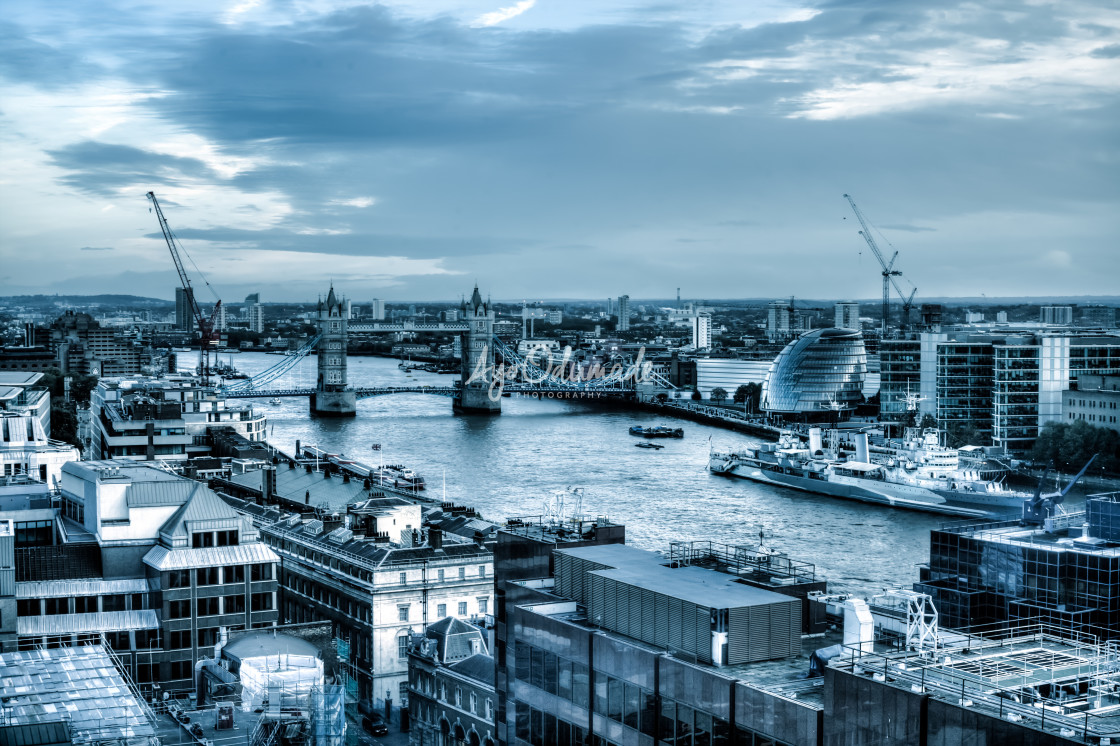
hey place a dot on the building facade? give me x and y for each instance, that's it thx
(702, 331)
(623, 313)
(820, 372)
(377, 309)
(155, 562)
(184, 313)
(1056, 315)
(451, 686)
(1093, 399)
(846, 315)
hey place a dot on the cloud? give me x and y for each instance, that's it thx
(359, 202)
(504, 14)
(96, 248)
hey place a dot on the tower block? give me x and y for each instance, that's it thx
(333, 397)
(478, 360)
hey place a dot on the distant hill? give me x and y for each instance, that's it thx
(131, 301)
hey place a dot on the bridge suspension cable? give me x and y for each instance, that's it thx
(290, 360)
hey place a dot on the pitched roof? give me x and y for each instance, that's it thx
(161, 558)
(203, 510)
(454, 639)
(479, 667)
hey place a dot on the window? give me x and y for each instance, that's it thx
(85, 604)
(404, 578)
(458, 697)
(207, 606)
(233, 574)
(227, 538)
(441, 578)
(202, 539)
(441, 610)
(180, 670)
(207, 636)
(180, 640)
(180, 610)
(178, 579)
(58, 605)
(206, 576)
(482, 571)
(261, 572)
(462, 573)
(474, 704)
(402, 613)
(262, 602)
(402, 646)
(462, 608)
(233, 605)
(29, 607)
(483, 605)
(489, 709)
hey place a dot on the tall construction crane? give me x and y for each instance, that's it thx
(888, 271)
(207, 331)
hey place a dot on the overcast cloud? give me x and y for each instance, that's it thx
(560, 148)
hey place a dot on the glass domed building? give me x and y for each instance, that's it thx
(817, 373)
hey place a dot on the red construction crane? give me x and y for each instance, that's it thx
(208, 334)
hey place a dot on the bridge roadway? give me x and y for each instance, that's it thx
(555, 392)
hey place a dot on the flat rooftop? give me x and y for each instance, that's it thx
(785, 677)
(1035, 675)
(1012, 532)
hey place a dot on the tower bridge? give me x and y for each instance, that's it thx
(476, 393)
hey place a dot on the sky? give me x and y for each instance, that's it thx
(560, 148)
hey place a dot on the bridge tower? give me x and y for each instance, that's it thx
(333, 397)
(478, 359)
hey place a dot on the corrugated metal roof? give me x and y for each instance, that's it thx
(78, 624)
(66, 588)
(35, 734)
(152, 494)
(161, 558)
(203, 506)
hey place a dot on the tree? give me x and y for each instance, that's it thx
(741, 394)
(697, 396)
(928, 422)
(962, 433)
(719, 395)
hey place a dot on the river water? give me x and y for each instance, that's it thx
(512, 464)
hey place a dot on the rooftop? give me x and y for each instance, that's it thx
(78, 684)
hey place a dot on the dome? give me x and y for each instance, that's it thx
(818, 372)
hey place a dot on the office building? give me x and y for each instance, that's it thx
(184, 311)
(702, 331)
(623, 646)
(377, 309)
(254, 312)
(167, 419)
(82, 346)
(900, 377)
(26, 449)
(451, 686)
(820, 372)
(784, 321)
(973, 317)
(1095, 400)
(21, 395)
(847, 315)
(623, 313)
(1056, 315)
(157, 563)
(555, 317)
(221, 323)
(1006, 385)
(385, 583)
(1062, 573)
(1098, 317)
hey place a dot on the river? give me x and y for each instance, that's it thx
(512, 464)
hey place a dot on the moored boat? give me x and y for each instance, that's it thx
(659, 431)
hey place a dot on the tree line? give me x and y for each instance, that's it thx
(1069, 445)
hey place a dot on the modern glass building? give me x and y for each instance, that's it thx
(819, 372)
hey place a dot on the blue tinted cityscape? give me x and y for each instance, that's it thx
(559, 374)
